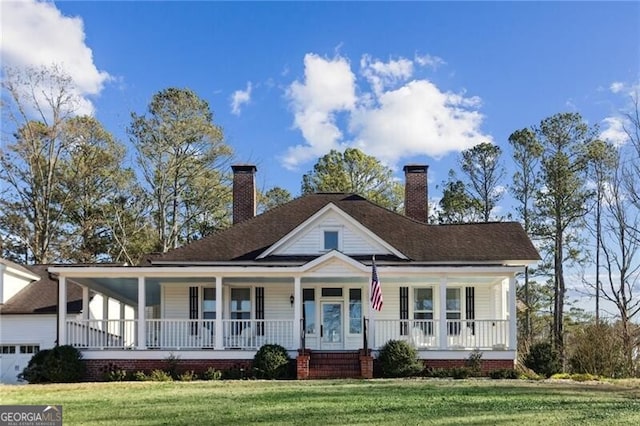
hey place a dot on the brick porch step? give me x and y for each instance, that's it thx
(334, 365)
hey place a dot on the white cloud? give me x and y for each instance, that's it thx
(429, 61)
(418, 119)
(36, 34)
(397, 119)
(382, 75)
(614, 131)
(328, 88)
(239, 98)
(616, 87)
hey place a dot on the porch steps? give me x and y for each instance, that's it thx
(334, 365)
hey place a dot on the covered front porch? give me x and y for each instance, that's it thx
(216, 311)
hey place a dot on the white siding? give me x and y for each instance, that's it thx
(277, 305)
(391, 306)
(311, 241)
(11, 285)
(483, 303)
(175, 299)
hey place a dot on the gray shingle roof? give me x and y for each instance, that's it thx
(420, 242)
(41, 296)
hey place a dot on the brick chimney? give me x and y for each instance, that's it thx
(416, 192)
(244, 192)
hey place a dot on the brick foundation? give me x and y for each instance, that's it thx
(95, 368)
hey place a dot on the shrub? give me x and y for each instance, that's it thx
(460, 372)
(187, 376)
(271, 362)
(172, 366)
(112, 373)
(399, 359)
(543, 359)
(597, 349)
(62, 364)
(583, 377)
(504, 373)
(236, 372)
(474, 362)
(34, 372)
(561, 376)
(140, 376)
(212, 374)
(159, 376)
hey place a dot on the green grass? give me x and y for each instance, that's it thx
(446, 402)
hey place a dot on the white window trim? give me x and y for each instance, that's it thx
(325, 229)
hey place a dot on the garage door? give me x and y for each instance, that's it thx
(13, 359)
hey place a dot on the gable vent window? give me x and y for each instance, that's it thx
(331, 240)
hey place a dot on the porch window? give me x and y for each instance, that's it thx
(355, 311)
(423, 309)
(208, 303)
(240, 309)
(241, 303)
(309, 310)
(453, 311)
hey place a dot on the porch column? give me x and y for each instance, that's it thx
(85, 303)
(105, 323)
(142, 325)
(62, 310)
(219, 343)
(442, 324)
(513, 315)
(122, 326)
(297, 312)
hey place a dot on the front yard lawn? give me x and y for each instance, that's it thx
(339, 402)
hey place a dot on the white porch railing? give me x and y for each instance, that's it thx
(101, 334)
(180, 334)
(461, 334)
(251, 334)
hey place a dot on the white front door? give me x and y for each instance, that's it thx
(332, 326)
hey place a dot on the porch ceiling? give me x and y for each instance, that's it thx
(126, 289)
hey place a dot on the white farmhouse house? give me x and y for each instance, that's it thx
(299, 275)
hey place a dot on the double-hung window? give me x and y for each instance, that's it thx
(240, 308)
(423, 309)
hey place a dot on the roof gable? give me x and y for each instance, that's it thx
(307, 238)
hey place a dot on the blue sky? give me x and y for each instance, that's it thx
(411, 82)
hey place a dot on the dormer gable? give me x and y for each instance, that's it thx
(330, 228)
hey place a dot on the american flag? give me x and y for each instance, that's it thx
(376, 290)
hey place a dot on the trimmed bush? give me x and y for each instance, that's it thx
(399, 359)
(62, 364)
(543, 359)
(271, 362)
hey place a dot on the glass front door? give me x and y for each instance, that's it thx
(332, 325)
